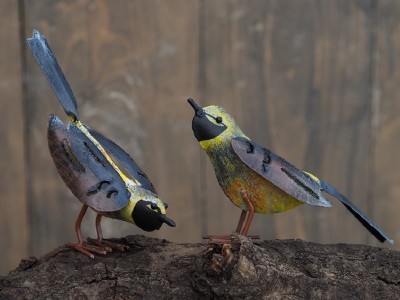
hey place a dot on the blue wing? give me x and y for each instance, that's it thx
(295, 182)
(84, 169)
(124, 160)
(279, 172)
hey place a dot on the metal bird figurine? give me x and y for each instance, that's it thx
(97, 171)
(254, 178)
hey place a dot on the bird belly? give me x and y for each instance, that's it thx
(124, 214)
(235, 177)
(265, 197)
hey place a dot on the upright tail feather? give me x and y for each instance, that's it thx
(49, 65)
(378, 233)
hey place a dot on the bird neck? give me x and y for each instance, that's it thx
(222, 140)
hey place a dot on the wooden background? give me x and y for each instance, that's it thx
(316, 81)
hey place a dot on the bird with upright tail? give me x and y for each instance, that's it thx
(257, 180)
(97, 171)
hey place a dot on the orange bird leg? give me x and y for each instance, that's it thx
(98, 227)
(250, 215)
(81, 246)
(227, 238)
(107, 245)
(241, 220)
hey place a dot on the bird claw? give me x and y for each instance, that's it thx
(108, 245)
(218, 239)
(86, 249)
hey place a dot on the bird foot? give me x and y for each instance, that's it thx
(108, 245)
(86, 249)
(217, 239)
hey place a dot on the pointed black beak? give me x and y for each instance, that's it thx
(198, 110)
(167, 221)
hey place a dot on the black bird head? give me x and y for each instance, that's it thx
(207, 122)
(148, 216)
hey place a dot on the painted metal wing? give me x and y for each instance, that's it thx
(125, 161)
(84, 169)
(280, 172)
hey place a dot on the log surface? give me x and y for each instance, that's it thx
(154, 268)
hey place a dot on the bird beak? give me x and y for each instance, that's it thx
(197, 109)
(167, 221)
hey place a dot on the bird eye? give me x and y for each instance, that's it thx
(153, 206)
(218, 120)
(165, 205)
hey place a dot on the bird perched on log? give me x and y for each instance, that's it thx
(254, 178)
(97, 171)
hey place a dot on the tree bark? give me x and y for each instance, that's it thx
(158, 269)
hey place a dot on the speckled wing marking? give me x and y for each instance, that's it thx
(125, 161)
(84, 169)
(279, 172)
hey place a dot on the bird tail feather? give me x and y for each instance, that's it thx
(51, 69)
(360, 216)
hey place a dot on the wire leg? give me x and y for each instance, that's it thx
(250, 215)
(101, 242)
(81, 246)
(241, 220)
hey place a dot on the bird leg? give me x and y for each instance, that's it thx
(226, 238)
(250, 215)
(241, 220)
(81, 246)
(100, 241)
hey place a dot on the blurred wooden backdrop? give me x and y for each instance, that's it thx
(315, 81)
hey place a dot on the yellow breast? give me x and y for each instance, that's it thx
(266, 197)
(234, 176)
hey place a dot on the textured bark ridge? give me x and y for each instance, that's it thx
(158, 269)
